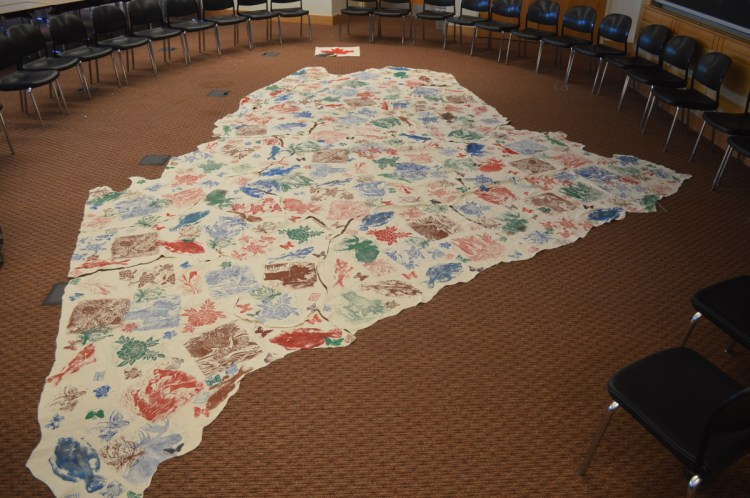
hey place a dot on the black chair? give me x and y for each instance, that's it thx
(183, 15)
(70, 38)
(709, 72)
(731, 123)
(111, 30)
(258, 10)
(363, 8)
(146, 19)
(509, 9)
(678, 53)
(434, 10)
(5, 130)
(393, 9)
(292, 8)
(225, 19)
(25, 81)
(700, 414)
(725, 305)
(740, 144)
(469, 13)
(615, 28)
(651, 40)
(541, 13)
(579, 19)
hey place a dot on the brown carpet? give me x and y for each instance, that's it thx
(494, 388)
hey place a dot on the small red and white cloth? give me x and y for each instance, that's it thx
(337, 51)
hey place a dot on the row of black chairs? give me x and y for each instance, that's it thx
(115, 31)
(698, 412)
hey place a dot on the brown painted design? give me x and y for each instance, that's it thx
(294, 275)
(392, 288)
(361, 102)
(459, 99)
(433, 227)
(533, 165)
(220, 348)
(135, 246)
(97, 313)
(331, 156)
(252, 130)
(161, 275)
(553, 202)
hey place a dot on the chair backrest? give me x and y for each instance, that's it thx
(252, 3)
(145, 13)
(109, 19)
(29, 40)
(727, 434)
(8, 52)
(545, 12)
(477, 6)
(652, 40)
(66, 29)
(679, 51)
(182, 8)
(616, 27)
(218, 5)
(711, 69)
(440, 3)
(286, 2)
(580, 18)
(506, 8)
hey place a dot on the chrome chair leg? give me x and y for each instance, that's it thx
(507, 49)
(114, 65)
(151, 55)
(596, 76)
(601, 80)
(39, 114)
(7, 137)
(249, 31)
(570, 66)
(692, 488)
(693, 322)
(473, 40)
(84, 83)
(500, 49)
(309, 26)
(697, 139)
(597, 438)
(218, 42)
(622, 94)
(650, 101)
(59, 92)
(671, 128)
(539, 56)
(722, 166)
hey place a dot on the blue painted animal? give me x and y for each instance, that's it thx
(190, 219)
(77, 461)
(442, 273)
(376, 220)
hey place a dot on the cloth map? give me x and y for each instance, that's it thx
(326, 203)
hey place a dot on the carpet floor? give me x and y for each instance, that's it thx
(493, 388)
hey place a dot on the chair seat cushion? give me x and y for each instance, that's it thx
(225, 20)
(627, 62)
(433, 15)
(741, 145)
(496, 26)
(391, 12)
(532, 34)
(192, 26)
(21, 80)
(158, 33)
(673, 394)
(564, 41)
(685, 97)
(658, 77)
(56, 63)
(357, 11)
(464, 20)
(123, 42)
(292, 12)
(257, 15)
(87, 53)
(599, 50)
(729, 122)
(726, 305)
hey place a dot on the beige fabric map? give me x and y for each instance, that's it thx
(325, 203)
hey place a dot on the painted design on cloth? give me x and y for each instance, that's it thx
(325, 203)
